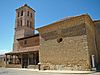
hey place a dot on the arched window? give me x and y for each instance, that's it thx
(22, 13)
(28, 13)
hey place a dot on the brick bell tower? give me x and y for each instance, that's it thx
(24, 24)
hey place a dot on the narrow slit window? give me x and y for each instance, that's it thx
(27, 23)
(21, 22)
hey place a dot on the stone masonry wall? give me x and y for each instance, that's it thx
(90, 31)
(33, 41)
(77, 44)
(97, 28)
(71, 53)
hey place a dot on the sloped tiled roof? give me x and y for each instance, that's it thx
(25, 50)
(63, 19)
(24, 6)
(28, 37)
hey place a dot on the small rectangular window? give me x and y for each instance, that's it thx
(25, 42)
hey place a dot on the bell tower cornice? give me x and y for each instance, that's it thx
(25, 5)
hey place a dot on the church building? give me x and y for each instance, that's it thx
(71, 43)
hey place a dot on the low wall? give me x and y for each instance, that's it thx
(13, 66)
(33, 66)
(48, 66)
(19, 66)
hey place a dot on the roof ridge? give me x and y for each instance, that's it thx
(24, 6)
(69, 17)
(63, 19)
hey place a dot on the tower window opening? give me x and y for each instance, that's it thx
(31, 14)
(27, 23)
(18, 14)
(25, 42)
(22, 13)
(28, 13)
(30, 24)
(21, 23)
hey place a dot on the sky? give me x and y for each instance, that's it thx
(47, 11)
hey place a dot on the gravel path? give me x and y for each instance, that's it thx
(8, 71)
